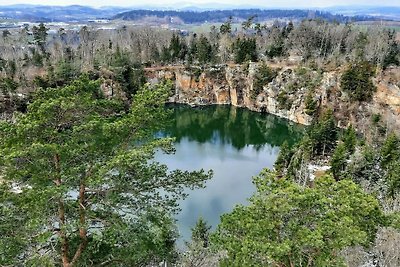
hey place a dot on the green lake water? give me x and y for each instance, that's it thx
(235, 143)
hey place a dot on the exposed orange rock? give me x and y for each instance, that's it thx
(232, 84)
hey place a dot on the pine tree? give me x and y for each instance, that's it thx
(201, 232)
(338, 161)
(286, 224)
(40, 35)
(226, 28)
(79, 186)
(350, 139)
(390, 150)
(204, 52)
(284, 157)
(323, 134)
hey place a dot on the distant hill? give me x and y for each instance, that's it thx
(39, 13)
(387, 12)
(191, 13)
(189, 16)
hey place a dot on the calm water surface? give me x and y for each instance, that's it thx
(235, 143)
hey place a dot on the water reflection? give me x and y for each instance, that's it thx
(236, 143)
(230, 125)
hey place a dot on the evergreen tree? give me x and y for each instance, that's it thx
(155, 54)
(79, 186)
(8, 85)
(246, 25)
(284, 157)
(6, 33)
(198, 252)
(40, 35)
(245, 49)
(390, 163)
(311, 104)
(226, 27)
(286, 224)
(357, 81)
(65, 71)
(192, 49)
(132, 79)
(323, 134)
(201, 232)
(390, 150)
(204, 51)
(263, 76)
(165, 54)
(392, 55)
(276, 49)
(338, 161)
(349, 139)
(392, 179)
(177, 48)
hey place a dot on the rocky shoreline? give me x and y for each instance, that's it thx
(287, 94)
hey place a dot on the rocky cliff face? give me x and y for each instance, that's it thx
(295, 93)
(230, 85)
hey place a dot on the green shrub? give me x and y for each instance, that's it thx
(311, 104)
(196, 73)
(8, 85)
(376, 118)
(357, 82)
(263, 76)
(276, 49)
(284, 101)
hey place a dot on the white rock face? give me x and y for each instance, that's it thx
(233, 84)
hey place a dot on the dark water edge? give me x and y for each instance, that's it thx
(235, 143)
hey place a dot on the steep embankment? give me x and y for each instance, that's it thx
(297, 94)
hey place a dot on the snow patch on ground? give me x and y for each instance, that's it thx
(316, 170)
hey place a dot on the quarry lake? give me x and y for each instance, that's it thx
(235, 143)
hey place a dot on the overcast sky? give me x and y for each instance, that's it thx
(172, 3)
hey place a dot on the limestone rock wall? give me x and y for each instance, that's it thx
(233, 84)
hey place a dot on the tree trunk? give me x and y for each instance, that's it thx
(82, 220)
(61, 215)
